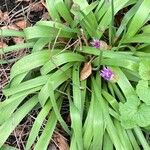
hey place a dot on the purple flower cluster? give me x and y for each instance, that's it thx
(96, 43)
(107, 74)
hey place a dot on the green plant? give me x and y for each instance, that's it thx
(104, 114)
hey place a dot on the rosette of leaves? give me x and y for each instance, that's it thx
(104, 114)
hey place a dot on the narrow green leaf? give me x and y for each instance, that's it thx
(7, 127)
(139, 19)
(60, 59)
(61, 75)
(56, 110)
(7, 147)
(52, 10)
(23, 65)
(37, 125)
(16, 47)
(47, 133)
(63, 10)
(10, 32)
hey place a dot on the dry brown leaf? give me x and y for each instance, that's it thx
(12, 26)
(4, 16)
(52, 147)
(103, 45)
(3, 45)
(1, 14)
(21, 24)
(45, 16)
(18, 132)
(61, 142)
(37, 7)
(23, 0)
(86, 71)
(43, 3)
(18, 40)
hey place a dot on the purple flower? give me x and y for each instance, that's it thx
(95, 43)
(107, 74)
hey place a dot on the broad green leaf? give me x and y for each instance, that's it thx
(143, 91)
(133, 114)
(142, 117)
(144, 69)
(127, 112)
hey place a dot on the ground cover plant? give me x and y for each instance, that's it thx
(92, 58)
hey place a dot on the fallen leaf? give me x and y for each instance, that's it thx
(43, 3)
(45, 16)
(4, 17)
(23, 0)
(61, 142)
(37, 7)
(3, 45)
(52, 147)
(103, 45)
(18, 40)
(1, 14)
(12, 26)
(86, 71)
(21, 24)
